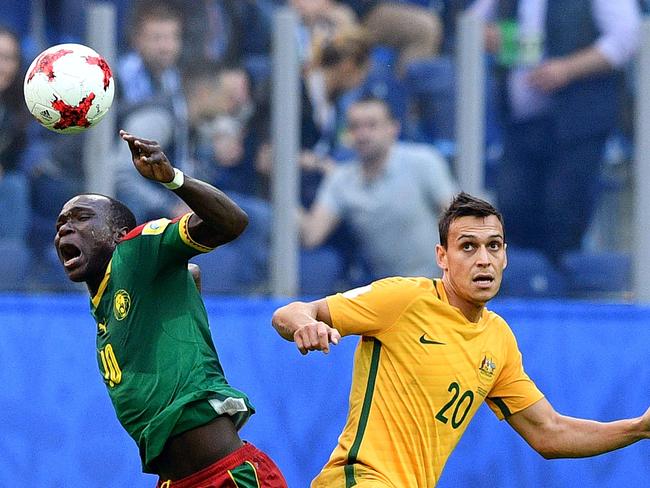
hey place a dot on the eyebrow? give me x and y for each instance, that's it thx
(77, 209)
(472, 236)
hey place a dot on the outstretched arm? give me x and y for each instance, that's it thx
(308, 324)
(216, 219)
(558, 436)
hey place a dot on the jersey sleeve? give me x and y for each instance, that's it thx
(513, 390)
(161, 242)
(372, 309)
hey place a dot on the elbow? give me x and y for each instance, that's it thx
(548, 453)
(277, 321)
(546, 447)
(241, 222)
(276, 318)
(238, 224)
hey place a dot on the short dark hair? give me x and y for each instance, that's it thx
(119, 215)
(369, 99)
(464, 205)
(146, 10)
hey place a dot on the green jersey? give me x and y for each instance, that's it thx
(154, 346)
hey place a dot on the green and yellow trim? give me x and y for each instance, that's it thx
(501, 405)
(244, 476)
(183, 229)
(365, 414)
(102, 286)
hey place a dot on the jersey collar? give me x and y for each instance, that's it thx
(442, 295)
(102, 286)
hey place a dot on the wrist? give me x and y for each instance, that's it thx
(177, 182)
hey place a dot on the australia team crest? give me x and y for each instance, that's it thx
(487, 368)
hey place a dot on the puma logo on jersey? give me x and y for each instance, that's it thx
(424, 340)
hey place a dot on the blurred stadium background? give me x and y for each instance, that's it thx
(581, 321)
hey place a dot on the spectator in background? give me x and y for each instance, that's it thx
(230, 32)
(151, 102)
(559, 86)
(221, 108)
(14, 118)
(151, 68)
(320, 20)
(34, 178)
(413, 31)
(339, 66)
(390, 197)
(449, 10)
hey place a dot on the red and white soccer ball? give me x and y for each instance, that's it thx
(69, 88)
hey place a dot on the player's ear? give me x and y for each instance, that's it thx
(119, 234)
(505, 255)
(441, 257)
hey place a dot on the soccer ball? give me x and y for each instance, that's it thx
(69, 88)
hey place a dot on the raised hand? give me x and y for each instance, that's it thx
(148, 158)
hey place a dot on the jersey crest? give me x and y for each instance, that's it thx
(486, 368)
(121, 304)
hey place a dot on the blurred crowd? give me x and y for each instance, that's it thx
(377, 139)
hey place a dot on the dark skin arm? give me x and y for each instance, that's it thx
(216, 219)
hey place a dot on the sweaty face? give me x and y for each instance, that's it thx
(84, 241)
(372, 130)
(159, 43)
(473, 261)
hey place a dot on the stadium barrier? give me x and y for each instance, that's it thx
(59, 429)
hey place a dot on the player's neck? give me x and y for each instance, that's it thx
(95, 282)
(470, 310)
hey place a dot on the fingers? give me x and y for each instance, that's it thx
(138, 145)
(316, 337)
(335, 336)
(149, 156)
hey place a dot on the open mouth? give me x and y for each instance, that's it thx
(70, 254)
(483, 279)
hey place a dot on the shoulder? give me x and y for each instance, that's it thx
(392, 287)
(417, 152)
(345, 169)
(130, 63)
(420, 160)
(406, 288)
(499, 323)
(152, 228)
(343, 175)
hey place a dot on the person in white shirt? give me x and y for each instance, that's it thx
(391, 197)
(558, 70)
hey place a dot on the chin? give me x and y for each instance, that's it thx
(77, 275)
(484, 295)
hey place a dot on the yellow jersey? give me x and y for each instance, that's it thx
(421, 371)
